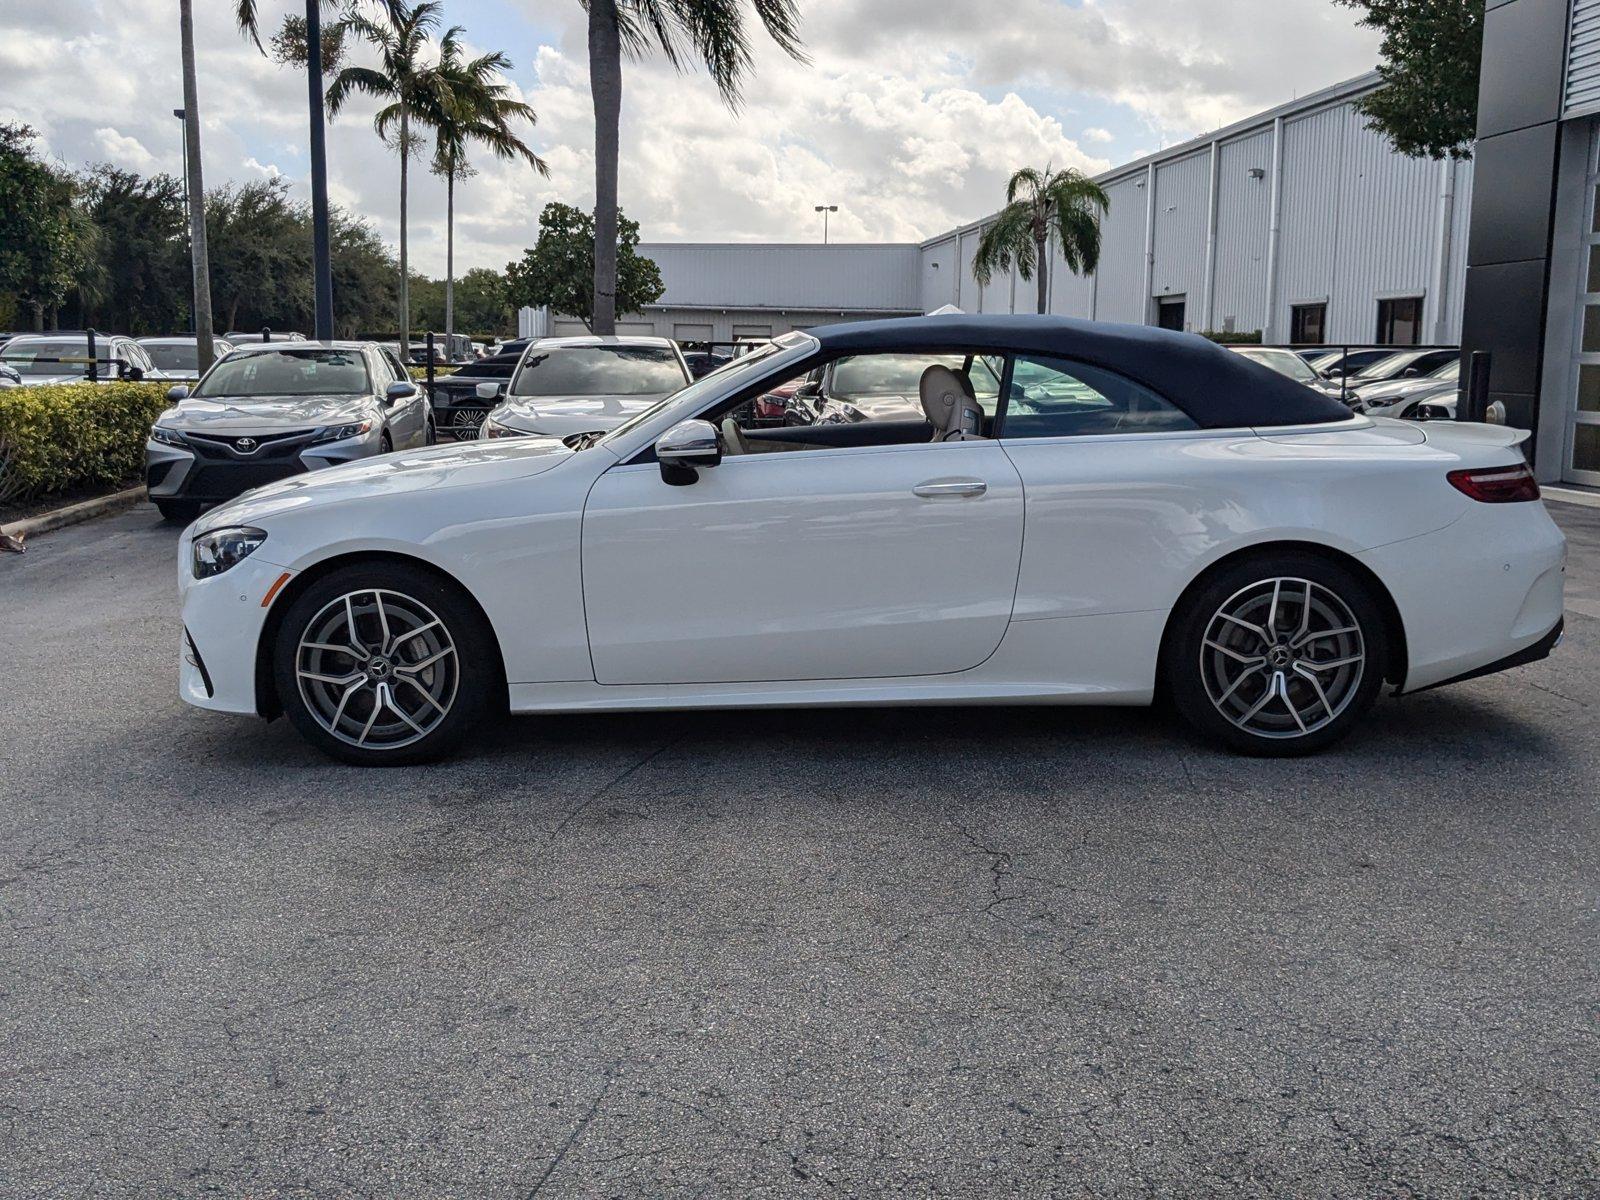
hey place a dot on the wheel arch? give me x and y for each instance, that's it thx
(268, 703)
(1394, 625)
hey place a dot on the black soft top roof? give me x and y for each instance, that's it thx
(1215, 387)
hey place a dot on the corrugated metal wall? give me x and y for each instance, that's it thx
(1244, 208)
(1183, 209)
(1358, 223)
(1583, 60)
(754, 275)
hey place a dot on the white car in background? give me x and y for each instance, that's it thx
(40, 359)
(1196, 525)
(1290, 365)
(178, 358)
(574, 385)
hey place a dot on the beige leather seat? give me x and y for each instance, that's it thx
(950, 406)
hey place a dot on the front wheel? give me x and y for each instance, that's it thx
(1277, 655)
(382, 664)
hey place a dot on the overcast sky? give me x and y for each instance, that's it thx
(909, 117)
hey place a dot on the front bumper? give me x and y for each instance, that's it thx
(222, 621)
(207, 469)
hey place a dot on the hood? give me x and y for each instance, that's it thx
(1394, 389)
(221, 415)
(458, 464)
(1390, 405)
(560, 416)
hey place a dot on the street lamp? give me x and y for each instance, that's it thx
(825, 209)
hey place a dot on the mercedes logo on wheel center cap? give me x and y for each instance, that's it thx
(1280, 656)
(379, 668)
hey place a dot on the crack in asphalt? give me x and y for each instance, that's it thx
(577, 1130)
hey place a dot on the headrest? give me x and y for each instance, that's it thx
(947, 400)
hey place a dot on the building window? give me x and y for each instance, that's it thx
(1400, 321)
(1308, 324)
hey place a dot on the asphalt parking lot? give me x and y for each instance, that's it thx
(938, 952)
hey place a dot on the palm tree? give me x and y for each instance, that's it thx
(711, 31)
(416, 92)
(1065, 203)
(480, 109)
(194, 185)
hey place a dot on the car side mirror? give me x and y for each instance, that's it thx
(685, 448)
(810, 390)
(1430, 412)
(178, 393)
(399, 390)
(489, 391)
(129, 371)
(1410, 373)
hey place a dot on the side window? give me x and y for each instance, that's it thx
(1055, 397)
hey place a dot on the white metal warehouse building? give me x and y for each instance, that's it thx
(1300, 223)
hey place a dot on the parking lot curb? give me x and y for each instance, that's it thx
(73, 514)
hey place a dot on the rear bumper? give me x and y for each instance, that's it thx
(1521, 658)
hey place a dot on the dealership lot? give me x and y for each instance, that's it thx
(951, 951)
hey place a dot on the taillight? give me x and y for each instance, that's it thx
(1496, 485)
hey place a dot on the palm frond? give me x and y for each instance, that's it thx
(1006, 240)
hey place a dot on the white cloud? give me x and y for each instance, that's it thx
(269, 170)
(909, 117)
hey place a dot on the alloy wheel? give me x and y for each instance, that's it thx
(377, 669)
(1282, 657)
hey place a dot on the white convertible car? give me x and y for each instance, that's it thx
(1088, 514)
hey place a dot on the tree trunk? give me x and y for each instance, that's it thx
(405, 271)
(449, 254)
(200, 261)
(38, 318)
(233, 315)
(1042, 244)
(605, 84)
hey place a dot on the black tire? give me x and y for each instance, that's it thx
(476, 676)
(1212, 683)
(182, 511)
(385, 443)
(431, 436)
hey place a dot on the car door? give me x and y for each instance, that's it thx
(864, 562)
(407, 418)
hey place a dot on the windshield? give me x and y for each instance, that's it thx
(33, 357)
(599, 371)
(1450, 372)
(1388, 365)
(297, 372)
(174, 356)
(743, 367)
(1284, 362)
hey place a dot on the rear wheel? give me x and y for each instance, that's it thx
(382, 664)
(1278, 655)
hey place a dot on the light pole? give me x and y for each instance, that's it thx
(194, 317)
(825, 209)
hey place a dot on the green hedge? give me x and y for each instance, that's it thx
(75, 435)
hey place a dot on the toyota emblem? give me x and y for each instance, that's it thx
(244, 445)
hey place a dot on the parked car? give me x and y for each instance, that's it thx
(1290, 365)
(1385, 393)
(702, 362)
(179, 357)
(1435, 402)
(266, 412)
(571, 385)
(1402, 364)
(9, 378)
(1336, 364)
(1195, 523)
(239, 337)
(64, 358)
(457, 410)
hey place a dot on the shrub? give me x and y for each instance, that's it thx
(74, 435)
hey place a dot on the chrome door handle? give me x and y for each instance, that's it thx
(954, 487)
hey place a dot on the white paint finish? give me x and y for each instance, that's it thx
(849, 276)
(818, 578)
(1179, 237)
(1119, 284)
(1244, 210)
(811, 565)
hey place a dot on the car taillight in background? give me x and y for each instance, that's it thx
(1496, 485)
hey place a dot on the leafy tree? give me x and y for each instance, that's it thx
(560, 269)
(483, 302)
(289, 44)
(45, 243)
(1065, 203)
(141, 225)
(260, 259)
(413, 92)
(710, 31)
(1428, 104)
(364, 272)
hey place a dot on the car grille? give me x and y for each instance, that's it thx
(217, 482)
(257, 448)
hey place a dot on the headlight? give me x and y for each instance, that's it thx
(337, 433)
(222, 549)
(493, 429)
(167, 437)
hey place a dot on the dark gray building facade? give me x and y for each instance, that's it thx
(1532, 297)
